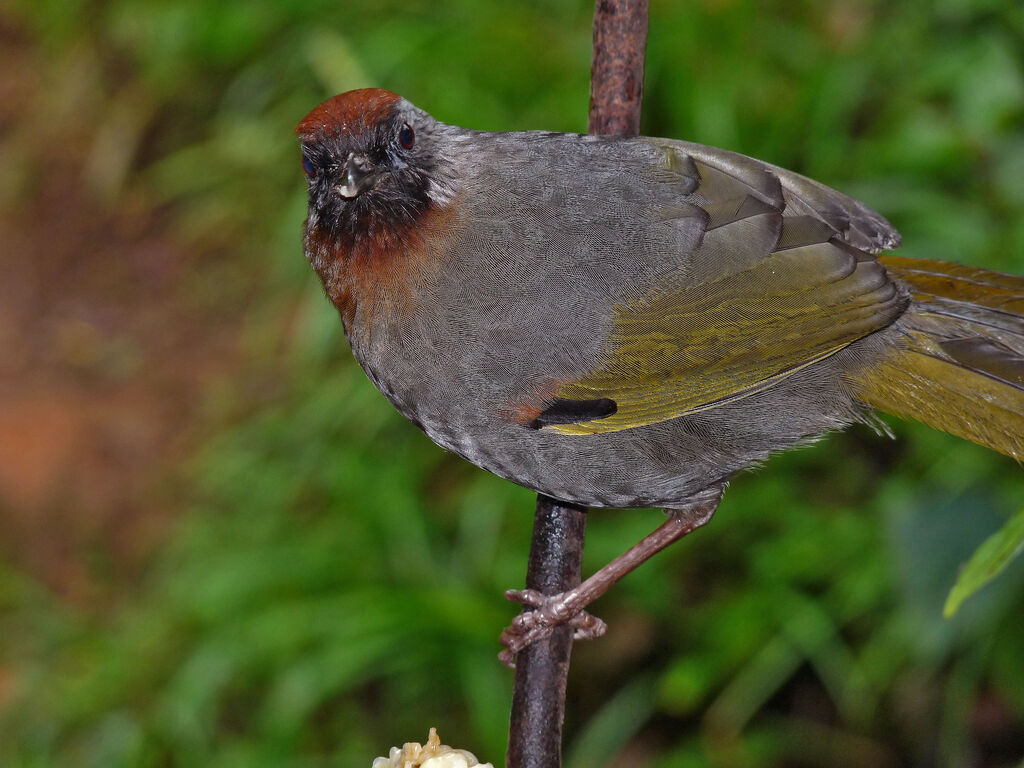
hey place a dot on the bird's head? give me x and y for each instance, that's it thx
(379, 183)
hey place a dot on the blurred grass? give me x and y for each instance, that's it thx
(334, 586)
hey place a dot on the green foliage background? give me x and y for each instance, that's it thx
(333, 586)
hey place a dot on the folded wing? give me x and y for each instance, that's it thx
(783, 277)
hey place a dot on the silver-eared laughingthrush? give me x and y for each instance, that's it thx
(630, 321)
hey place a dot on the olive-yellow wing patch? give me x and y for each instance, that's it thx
(692, 346)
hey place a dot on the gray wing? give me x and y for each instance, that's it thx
(854, 222)
(780, 259)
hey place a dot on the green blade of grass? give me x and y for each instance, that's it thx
(987, 562)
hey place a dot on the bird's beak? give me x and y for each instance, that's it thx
(358, 175)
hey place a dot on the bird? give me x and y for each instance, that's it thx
(632, 321)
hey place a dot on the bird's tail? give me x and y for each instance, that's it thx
(961, 369)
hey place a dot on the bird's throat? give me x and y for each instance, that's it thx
(379, 275)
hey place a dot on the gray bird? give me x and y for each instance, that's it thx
(629, 322)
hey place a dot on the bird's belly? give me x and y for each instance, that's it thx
(464, 405)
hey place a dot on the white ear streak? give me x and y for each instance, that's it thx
(441, 180)
(442, 192)
(442, 187)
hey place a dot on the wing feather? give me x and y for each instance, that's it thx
(783, 278)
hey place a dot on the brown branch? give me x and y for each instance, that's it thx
(538, 700)
(556, 552)
(617, 76)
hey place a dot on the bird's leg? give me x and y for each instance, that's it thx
(545, 612)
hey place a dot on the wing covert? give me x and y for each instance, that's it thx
(776, 284)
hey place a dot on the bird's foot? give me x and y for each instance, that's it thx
(549, 612)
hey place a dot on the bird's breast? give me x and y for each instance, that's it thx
(379, 277)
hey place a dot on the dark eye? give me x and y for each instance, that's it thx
(406, 136)
(308, 167)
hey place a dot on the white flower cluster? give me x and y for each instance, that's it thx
(433, 754)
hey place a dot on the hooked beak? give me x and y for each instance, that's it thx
(359, 175)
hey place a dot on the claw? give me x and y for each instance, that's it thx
(549, 611)
(588, 626)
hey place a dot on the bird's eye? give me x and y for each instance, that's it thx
(308, 167)
(406, 137)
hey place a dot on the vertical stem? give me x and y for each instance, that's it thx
(538, 701)
(617, 76)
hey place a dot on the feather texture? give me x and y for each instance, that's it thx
(765, 295)
(961, 366)
(631, 321)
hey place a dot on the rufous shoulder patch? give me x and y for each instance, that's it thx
(348, 112)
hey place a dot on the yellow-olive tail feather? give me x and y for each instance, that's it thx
(961, 368)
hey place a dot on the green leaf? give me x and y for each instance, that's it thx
(987, 562)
